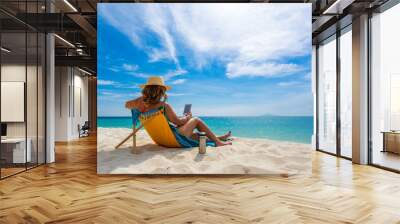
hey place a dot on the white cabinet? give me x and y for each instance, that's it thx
(17, 147)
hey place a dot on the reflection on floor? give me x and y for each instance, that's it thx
(387, 159)
(11, 169)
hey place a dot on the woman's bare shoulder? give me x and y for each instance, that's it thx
(166, 105)
(134, 103)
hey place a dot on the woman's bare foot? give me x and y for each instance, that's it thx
(221, 143)
(225, 136)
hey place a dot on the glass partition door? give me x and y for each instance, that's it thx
(327, 95)
(385, 89)
(334, 106)
(346, 93)
(22, 101)
(14, 155)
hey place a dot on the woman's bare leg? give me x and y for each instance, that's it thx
(196, 123)
(225, 136)
(188, 128)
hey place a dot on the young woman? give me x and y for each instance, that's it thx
(154, 96)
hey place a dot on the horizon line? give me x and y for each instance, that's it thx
(272, 115)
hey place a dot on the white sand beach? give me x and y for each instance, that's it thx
(244, 156)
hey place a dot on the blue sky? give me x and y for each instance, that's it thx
(225, 59)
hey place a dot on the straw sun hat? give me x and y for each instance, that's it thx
(155, 81)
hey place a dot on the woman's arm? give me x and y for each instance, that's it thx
(178, 121)
(133, 103)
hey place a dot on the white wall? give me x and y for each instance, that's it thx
(12, 73)
(33, 126)
(70, 84)
(13, 101)
(79, 112)
(61, 103)
(17, 73)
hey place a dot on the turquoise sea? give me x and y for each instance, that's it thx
(284, 128)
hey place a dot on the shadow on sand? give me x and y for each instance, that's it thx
(111, 160)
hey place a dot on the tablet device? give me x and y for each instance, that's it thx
(188, 108)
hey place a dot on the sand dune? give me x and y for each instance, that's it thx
(245, 156)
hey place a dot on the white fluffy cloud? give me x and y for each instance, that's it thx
(124, 67)
(249, 39)
(158, 23)
(289, 83)
(235, 70)
(111, 83)
(101, 82)
(130, 67)
(173, 74)
(167, 76)
(179, 81)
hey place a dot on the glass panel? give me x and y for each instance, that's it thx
(31, 100)
(23, 90)
(385, 82)
(41, 98)
(327, 96)
(346, 93)
(32, 89)
(13, 86)
(394, 102)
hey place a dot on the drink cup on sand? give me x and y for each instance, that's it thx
(202, 143)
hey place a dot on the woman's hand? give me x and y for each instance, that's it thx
(186, 118)
(188, 114)
(178, 121)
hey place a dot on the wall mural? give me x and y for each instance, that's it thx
(204, 88)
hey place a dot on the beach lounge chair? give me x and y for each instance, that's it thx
(161, 131)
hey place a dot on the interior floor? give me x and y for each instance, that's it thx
(70, 191)
(5, 172)
(12, 169)
(386, 159)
